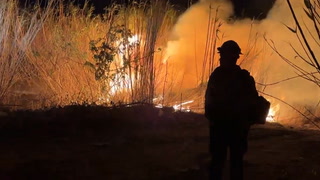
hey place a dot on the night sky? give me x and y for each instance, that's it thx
(257, 9)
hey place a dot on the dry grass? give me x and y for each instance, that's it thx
(18, 30)
(44, 52)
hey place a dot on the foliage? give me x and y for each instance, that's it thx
(105, 51)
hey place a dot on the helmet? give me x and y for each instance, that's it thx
(230, 47)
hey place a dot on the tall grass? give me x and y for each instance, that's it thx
(140, 31)
(151, 23)
(45, 53)
(59, 53)
(210, 62)
(18, 31)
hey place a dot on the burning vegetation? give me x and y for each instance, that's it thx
(146, 52)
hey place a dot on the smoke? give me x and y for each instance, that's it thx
(187, 46)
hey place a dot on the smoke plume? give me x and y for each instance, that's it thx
(187, 47)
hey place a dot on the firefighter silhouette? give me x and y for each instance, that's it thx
(229, 99)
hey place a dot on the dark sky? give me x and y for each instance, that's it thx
(257, 9)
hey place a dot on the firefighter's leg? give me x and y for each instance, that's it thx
(237, 151)
(218, 150)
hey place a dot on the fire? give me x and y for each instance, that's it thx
(272, 113)
(122, 81)
(157, 102)
(179, 107)
(176, 107)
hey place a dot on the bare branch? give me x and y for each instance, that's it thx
(300, 56)
(311, 34)
(287, 79)
(303, 36)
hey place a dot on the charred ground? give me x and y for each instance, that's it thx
(140, 143)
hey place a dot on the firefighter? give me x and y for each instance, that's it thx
(229, 99)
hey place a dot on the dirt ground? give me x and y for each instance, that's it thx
(141, 143)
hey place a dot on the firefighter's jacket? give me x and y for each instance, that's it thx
(230, 97)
